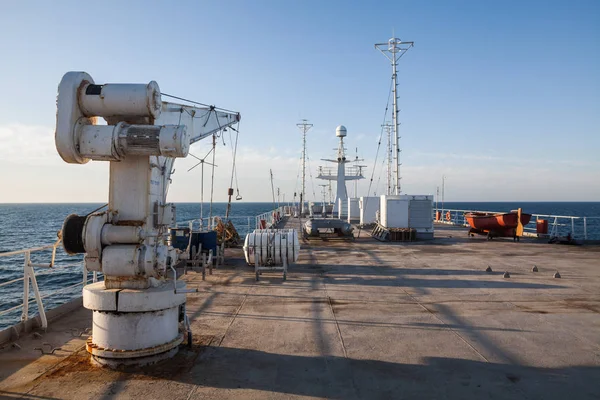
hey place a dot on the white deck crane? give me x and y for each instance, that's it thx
(138, 315)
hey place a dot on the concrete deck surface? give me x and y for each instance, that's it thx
(361, 320)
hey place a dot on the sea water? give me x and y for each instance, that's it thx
(30, 225)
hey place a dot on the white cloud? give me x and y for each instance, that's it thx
(30, 144)
(32, 171)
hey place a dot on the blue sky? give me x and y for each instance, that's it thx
(501, 97)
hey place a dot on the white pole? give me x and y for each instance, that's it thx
(443, 193)
(26, 266)
(201, 198)
(389, 159)
(304, 127)
(395, 120)
(396, 49)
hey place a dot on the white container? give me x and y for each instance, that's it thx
(421, 215)
(353, 210)
(394, 211)
(368, 207)
(420, 212)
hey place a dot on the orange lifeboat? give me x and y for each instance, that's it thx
(496, 224)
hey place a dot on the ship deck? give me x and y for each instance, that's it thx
(360, 319)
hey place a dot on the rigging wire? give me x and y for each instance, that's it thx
(233, 170)
(197, 102)
(192, 114)
(202, 162)
(212, 178)
(298, 176)
(170, 162)
(387, 106)
(237, 185)
(234, 154)
(312, 184)
(97, 209)
(380, 174)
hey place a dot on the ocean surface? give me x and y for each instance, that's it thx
(31, 225)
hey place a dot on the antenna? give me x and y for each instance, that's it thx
(324, 192)
(393, 50)
(272, 189)
(304, 127)
(358, 171)
(388, 127)
(278, 198)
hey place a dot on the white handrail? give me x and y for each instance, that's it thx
(29, 277)
(579, 226)
(270, 218)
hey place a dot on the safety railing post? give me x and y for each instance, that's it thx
(29, 275)
(585, 228)
(25, 312)
(572, 227)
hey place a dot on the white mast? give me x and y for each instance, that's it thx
(396, 49)
(389, 156)
(304, 127)
(340, 177)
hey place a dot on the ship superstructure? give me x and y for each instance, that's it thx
(342, 173)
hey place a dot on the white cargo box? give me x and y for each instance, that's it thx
(353, 210)
(368, 209)
(408, 211)
(394, 211)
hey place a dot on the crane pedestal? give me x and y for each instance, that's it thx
(135, 326)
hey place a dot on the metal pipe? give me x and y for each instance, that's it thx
(9, 282)
(23, 251)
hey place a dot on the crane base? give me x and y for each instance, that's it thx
(135, 326)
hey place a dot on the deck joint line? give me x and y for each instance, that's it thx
(237, 311)
(337, 325)
(447, 326)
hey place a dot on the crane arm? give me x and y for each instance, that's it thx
(201, 122)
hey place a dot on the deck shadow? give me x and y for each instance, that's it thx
(343, 378)
(440, 283)
(331, 377)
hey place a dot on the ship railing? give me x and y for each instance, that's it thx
(29, 279)
(243, 223)
(270, 219)
(585, 228)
